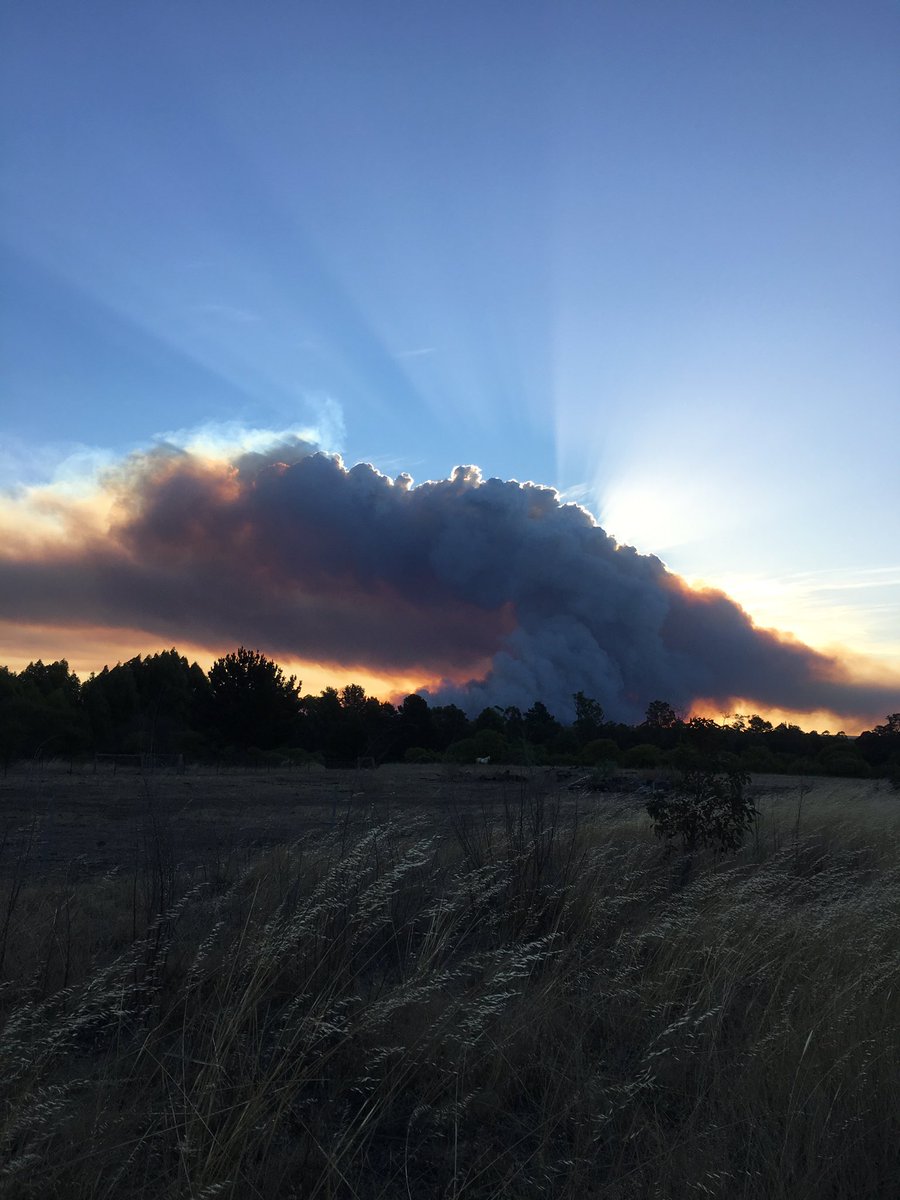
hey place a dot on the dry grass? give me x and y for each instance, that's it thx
(517, 1001)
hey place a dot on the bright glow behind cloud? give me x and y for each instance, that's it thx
(223, 439)
(838, 610)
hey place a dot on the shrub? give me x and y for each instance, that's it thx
(760, 758)
(418, 754)
(490, 744)
(643, 755)
(805, 765)
(708, 808)
(463, 751)
(600, 750)
(849, 765)
(297, 756)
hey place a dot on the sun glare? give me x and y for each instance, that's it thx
(659, 511)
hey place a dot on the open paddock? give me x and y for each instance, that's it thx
(449, 982)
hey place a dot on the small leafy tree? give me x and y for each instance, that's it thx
(709, 808)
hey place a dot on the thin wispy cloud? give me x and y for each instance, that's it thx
(842, 579)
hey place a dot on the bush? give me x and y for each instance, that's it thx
(600, 750)
(643, 755)
(708, 808)
(490, 744)
(418, 754)
(299, 757)
(849, 766)
(463, 751)
(761, 759)
(805, 765)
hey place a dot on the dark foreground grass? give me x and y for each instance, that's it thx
(528, 1004)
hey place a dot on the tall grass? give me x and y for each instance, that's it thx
(526, 1004)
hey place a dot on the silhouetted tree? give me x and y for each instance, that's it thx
(52, 679)
(11, 730)
(514, 723)
(163, 702)
(353, 698)
(881, 746)
(490, 718)
(171, 695)
(757, 724)
(788, 739)
(251, 703)
(349, 725)
(47, 710)
(703, 725)
(414, 724)
(660, 715)
(156, 703)
(113, 707)
(450, 725)
(320, 729)
(588, 718)
(566, 746)
(381, 725)
(704, 736)
(541, 726)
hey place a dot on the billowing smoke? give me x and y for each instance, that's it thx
(490, 580)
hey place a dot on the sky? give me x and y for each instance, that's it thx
(644, 254)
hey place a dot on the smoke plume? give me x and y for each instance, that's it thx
(464, 578)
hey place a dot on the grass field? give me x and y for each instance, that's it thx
(435, 982)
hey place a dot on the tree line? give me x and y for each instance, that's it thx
(246, 710)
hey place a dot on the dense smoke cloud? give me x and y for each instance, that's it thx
(291, 552)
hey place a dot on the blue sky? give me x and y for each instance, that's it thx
(646, 253)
